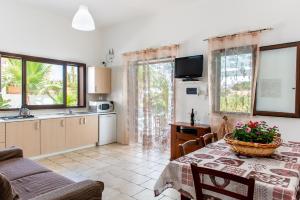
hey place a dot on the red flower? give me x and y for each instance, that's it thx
(252, 124)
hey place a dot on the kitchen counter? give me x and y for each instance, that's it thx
(50, 116)
(50, 133)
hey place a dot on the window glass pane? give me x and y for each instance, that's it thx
(82, 86)
(11, 83)
(235, 79)
(72, 85)
(276, 84)
(44, 83)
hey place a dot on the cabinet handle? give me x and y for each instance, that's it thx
(80, 120)
(62, 123)
(37, 125)
(84, 120)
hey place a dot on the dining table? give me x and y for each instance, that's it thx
(276, 177)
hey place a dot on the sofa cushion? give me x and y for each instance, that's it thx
(9, 153)
(20, 167)
(37, 184)
(7, 192)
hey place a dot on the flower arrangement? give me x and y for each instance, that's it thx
(256, 132)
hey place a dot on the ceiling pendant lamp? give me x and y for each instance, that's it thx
(83, 20)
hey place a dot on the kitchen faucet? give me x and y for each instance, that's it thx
(23, 111)
(70, 112)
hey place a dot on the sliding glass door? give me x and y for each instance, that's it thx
(154, 86)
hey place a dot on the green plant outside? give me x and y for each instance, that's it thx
(159, 92)
(72, 88)
(38, 82)
(237, 98)
(235, 103)
(4, 104)
(245, 85)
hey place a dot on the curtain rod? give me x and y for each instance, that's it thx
(252, 31)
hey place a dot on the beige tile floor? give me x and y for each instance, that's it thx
(128, 172)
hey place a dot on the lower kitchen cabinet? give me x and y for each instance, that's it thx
(90, 130)
(73, 132)
(47, 136)
(26, 135)
(81, 131)
(53, 135)
(2, 135)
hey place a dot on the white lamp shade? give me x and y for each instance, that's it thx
(83, 20)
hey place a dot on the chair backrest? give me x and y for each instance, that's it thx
(199, 185)
(209, 138)
(184, 146)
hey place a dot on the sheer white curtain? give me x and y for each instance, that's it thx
(232, 74)
(148, 95)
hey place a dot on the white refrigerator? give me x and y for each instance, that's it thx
(107, 128)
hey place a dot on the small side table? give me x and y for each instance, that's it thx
(182, 132)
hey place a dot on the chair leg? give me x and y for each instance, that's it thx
(182, 197)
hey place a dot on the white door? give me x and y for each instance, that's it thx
(107, 129)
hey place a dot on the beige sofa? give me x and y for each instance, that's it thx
(30, 180)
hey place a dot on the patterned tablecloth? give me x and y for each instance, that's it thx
(275, 178)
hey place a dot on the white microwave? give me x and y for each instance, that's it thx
(101, 106)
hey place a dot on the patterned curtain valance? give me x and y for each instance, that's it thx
(152, 53)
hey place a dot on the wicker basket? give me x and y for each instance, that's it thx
(252, 149)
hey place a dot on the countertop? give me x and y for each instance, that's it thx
(50, 116)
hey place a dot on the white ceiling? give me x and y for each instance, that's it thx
(107, 12)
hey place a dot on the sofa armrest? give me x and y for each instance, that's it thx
(85, 190)
(9, 153)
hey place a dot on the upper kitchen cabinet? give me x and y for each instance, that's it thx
(99, 80)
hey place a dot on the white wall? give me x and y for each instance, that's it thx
(28, 30)
(192, 23)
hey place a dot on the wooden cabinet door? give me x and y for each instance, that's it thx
(103, 80)
(53, 135)
(90, 130)
(73, 132)
(25, 135)
(81, 131)
(99, 80)
(2, 132)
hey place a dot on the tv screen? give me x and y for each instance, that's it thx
(189, 67)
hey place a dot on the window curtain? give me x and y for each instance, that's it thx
(225, 65)
(131, 88)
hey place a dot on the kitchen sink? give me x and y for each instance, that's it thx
(86, 112)
(64, 114)
(17, 117)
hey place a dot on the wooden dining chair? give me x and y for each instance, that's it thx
(191, 143)
(219, 188)
(209, 138)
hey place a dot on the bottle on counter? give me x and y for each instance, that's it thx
(192, 117)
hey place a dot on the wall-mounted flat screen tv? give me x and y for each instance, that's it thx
(189, 67)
